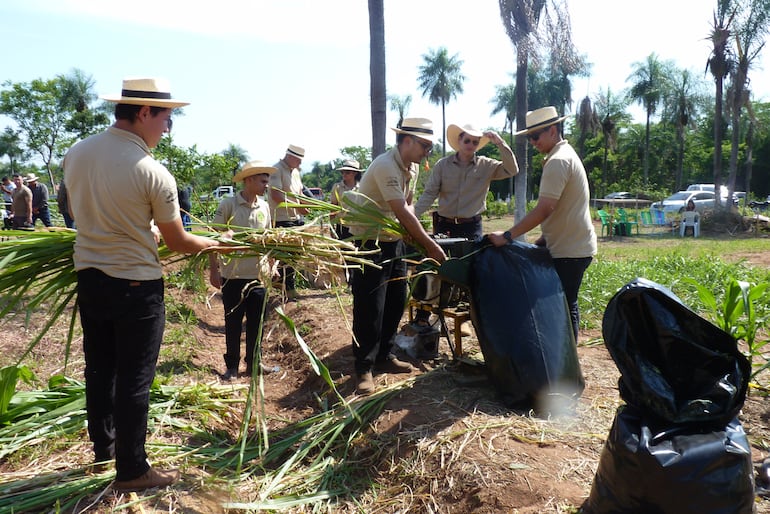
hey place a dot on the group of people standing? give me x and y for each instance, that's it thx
(26, 201)
(120, 284)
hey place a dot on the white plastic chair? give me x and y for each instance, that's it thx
(690, 219)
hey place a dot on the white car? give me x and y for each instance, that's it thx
(677, 202)
(218, 194)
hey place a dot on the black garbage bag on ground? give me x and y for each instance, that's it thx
(520, 315)
(673, 469)
(677, 446)
(673, 364)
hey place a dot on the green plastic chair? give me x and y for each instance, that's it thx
(606, 223)
(629, 220)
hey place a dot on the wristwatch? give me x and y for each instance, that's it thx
(507, 236)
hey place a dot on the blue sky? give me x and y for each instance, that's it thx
(263, 74)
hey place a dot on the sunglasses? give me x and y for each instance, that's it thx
(468, 140)
(534, 136)
(424, 144)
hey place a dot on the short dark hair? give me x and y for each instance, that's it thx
(130, 112)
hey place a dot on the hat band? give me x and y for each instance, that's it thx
(418, 129)
(546, 122)
(295, 154)
(132, 93)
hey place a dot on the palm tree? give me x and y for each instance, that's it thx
(749, 40)
(400, 104)
(588, 124)
(520, 19)
(719, 64)
(680, 108)
(505, 102)
(11, 145)
(611, 109)
(377, 75)
(441, 80)
(647, 89)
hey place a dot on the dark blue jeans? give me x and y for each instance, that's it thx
(379, 298)
(240, 298)
(570, 271)
(43, 215)
(123, 322)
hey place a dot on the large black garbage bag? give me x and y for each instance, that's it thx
(646, 468)
(674, 364)
(677, 446)
(523, 325)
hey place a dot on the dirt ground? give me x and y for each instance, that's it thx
(455, 448)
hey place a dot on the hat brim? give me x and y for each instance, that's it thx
(539, 126)
(421, 135)
(453, 135)
(248, 172)
(152, 102)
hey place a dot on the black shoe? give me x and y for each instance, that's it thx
(230, 374)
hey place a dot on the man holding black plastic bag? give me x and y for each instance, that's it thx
(562, 207)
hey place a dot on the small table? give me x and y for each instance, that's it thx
(459, 317)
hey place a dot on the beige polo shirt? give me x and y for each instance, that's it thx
(462, 188)
(238, 214)
(386, 179)
(116, 189)
(287, 180)
(568, 231)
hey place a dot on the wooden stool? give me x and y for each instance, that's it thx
(459, 318)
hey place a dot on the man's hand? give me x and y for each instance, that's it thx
(436, 252)
(497, 239)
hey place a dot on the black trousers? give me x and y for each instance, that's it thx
(242, 298)
(570, 271)
(123, 322)
(379, 299)
(287, 273)
(471, 230)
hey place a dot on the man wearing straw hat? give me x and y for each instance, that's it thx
(461, 181)
(39, 200)
(379, 294)
(562, 207)
(116, 190)
(351, 176)
(287, 179)
(243, 293)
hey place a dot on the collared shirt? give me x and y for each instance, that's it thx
(237, 213)
(116, 189)
(287, 180)
(386, 179)
(338, 191)
(462, 188)
(568, 231)
(39, 196)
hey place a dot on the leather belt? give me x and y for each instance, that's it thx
(460, 221)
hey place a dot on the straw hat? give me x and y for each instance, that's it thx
(453, 135)
(296, 151)
(418, 127)
(350, 165)
(253, 168)
(154, 92)
(31, 177)
(539, 118)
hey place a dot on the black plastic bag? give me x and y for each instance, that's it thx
(648, 469)
(674, 364)
(523, 325)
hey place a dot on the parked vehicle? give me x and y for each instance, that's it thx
(218, 194)
(316, 192)
(677, 202)
(709, 187)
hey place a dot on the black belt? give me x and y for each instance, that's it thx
(460, 221)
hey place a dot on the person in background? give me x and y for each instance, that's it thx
(185, 206)
(7, 188)
(243, 294)
(61, 202)
(21, 204)
(39, 200)
(351, 176)
(562, 208)
(120, 284)
(461, 182)
(287, 180)
(379, 294)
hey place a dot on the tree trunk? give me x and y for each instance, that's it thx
(646, 165)
(522, 58)
(749, 158)
(377, 75)
(718, 140)
(679, 157)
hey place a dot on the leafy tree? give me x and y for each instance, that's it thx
(649, 83)
(10, 145)
(680, 107)
(505, 102)
(39, 110)
(78, 95)
(587, 124)
(400, 104)
(377, 74)
(611, 111)
(441, 80)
